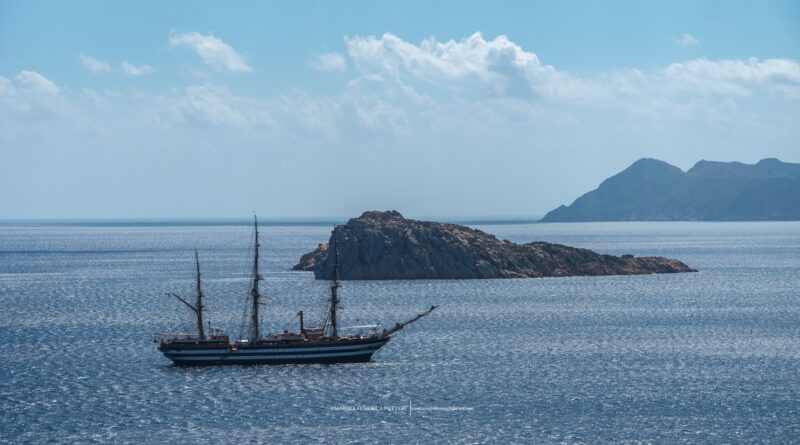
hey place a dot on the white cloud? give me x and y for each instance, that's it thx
(686, 40)
(103, 66)
(499, 65)
(330, 61)
(134, 70)
(95, 65)
(30, 93)
(35, 83)
(295, 113)
(476, 69)
(212, 50)
(457, 86)
(735, 77)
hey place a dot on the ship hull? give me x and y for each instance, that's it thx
(273, 353)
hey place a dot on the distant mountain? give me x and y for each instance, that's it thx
(652, 190)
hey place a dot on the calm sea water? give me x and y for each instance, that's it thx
(711, 357)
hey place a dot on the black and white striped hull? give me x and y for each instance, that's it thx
(274, 353)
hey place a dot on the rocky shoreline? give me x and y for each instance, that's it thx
(387, 246)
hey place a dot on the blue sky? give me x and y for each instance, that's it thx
(181, 109)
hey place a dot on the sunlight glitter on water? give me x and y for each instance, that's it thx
(706, 357)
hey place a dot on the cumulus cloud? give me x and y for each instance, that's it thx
(499, 64)
(330, 61)
(95, 65)
(212, 50)
(136, 70)
(686, 40)
(504, 69)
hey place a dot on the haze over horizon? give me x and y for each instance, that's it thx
(310, 109)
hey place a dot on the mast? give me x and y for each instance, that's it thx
(199, 303)
(197, 307)
(256, 300)
(302, 325)
(334, 286)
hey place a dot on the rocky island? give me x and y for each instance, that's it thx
(387, 246)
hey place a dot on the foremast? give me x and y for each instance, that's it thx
(255, 321)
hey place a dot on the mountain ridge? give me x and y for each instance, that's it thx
(653, 190)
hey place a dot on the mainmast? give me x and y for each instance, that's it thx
(334, 286)
(256, 300)
(199, 303)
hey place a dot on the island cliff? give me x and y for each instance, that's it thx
(386, 246)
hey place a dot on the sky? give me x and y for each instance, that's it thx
(154, 109)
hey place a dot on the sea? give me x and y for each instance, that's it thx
(707, 357)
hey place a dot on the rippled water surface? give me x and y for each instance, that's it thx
(711, 357)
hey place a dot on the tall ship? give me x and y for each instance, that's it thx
(324, 344)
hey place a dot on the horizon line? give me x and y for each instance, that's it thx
(246, 221)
